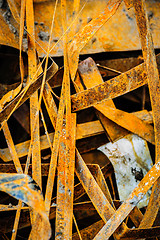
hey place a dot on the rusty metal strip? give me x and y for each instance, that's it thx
(61, 190)
(79, 190)
(154, 86)
(78, 232)
(69, 133)
(98, 175)
(91, 77)
(110, 89)
(84, 35)
(123, 211)
(65, 186)
(152, 208)
(90, 232)
(34, 111)
(135, 215)
(96, 195)
(21, 31)
(129, 122)
(69, 184)
(55, 148)
(151, 65)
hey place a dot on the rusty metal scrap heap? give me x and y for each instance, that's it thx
(80, 143)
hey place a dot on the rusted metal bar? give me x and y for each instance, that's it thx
(115, 87)
(118, 65)
(129, 122)
(97, 174)
(100, 202)
(34, 110)
(91, 77)
(154, 86)
(69, 171)
(61, 189)
(89, 232)
(65, 187)
(79, 191)
(55, 148)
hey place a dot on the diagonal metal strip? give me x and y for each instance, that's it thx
(91, 77)
(34, 111)
(154, 89)
(129, 122)
(95, 193)
(122, 84)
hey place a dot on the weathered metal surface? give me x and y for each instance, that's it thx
(113, 88)
(131, 161)
(91, 77)
(154, 85)
(97, 183)
(65, 188)
(124, 24)
(100, 202)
